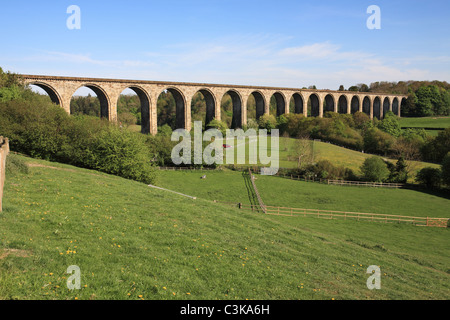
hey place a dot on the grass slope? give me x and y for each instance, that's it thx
(426, 122)
(337, 155)
(134, 242)
(277, 191)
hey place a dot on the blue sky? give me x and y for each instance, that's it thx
(271, 43)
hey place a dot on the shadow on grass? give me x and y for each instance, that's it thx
(442, 193)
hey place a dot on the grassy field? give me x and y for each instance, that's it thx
(426, 122)
(278, 191)
(337, 155)
(134, 242)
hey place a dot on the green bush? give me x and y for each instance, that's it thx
(445, 169)
(43, 130)
(268, 122)
(377, 141)
(374, 169)
(219, 125)
(429, 177)
(121, 153)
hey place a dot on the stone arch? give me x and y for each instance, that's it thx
(144, 99)
(377, 107)
(298, 103)
(236, 100)
(51, 91)
(102, 96)
(355, 104)
(329, 103)
(395, 106)
(342, 104)
(211, 103)
(260, 103)
(401, 104)
(386, 106)
(180, 108)
(366, 105)
(315, 108)
(280, 100)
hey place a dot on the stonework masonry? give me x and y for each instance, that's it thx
(61, 90)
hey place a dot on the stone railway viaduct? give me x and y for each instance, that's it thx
(61, 90)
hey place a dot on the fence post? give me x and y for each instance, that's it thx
(4, 151)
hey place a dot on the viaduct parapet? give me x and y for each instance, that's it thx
(306, 101)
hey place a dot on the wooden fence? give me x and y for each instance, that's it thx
(366, 184)
(342, 182)
(345, 215)
(4, 151)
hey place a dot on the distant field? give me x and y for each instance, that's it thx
(276, 191)
(426, 122)
(339, 156)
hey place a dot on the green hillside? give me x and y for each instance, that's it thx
(135, 242)
(425, 122)
(337, 155)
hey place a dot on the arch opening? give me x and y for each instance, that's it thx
(386, 106)
(277, 104)
(90, 100)
(395, 106)
(133, 109)
(354, 105)
(231, 109)
(401, 105)
(296, 104)
(203, 107)
(260, 104)
(171, 109)
(342, 104)
(377, 108)
(45, 89)
(313, 105)
(329, 104)
(366, 105)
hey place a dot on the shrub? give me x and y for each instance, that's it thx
(43, 130)
(127, 118)
(390, 124)
(436, 148)
(429, 177)
(165, 130)
(374, 169)
(268, 122)
(377, 141)
(445, 169)
(121, 153)
(219, 125)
